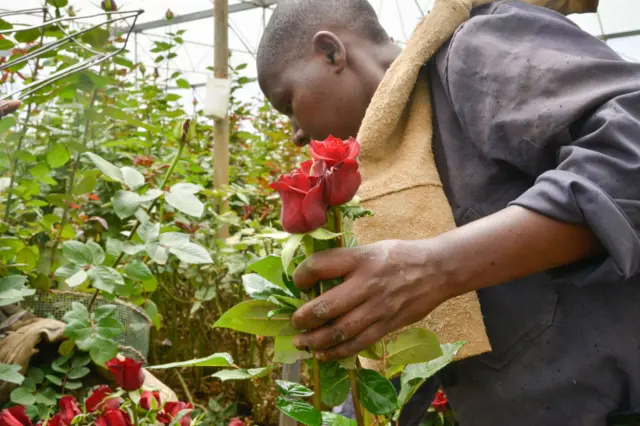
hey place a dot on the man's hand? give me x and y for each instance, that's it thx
(392, 284)
(386, 286)
(8, 107)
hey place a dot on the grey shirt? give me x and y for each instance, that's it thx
(533, 111)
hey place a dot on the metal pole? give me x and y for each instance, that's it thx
(221, 127)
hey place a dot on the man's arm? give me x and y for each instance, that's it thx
(537, 94)
(392, 284)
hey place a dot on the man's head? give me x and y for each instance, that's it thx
(320, 62)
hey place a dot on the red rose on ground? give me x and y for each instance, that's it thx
(68, 409)
(128, 373)
(303, 207)
(440, 402)
(114, 417)
(171, 410)
(14, 416)
(146, 400)
(333, 151)
(98, 400)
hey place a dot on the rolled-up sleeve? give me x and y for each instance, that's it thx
(538, 94)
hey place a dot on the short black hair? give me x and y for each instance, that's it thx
(295, 22)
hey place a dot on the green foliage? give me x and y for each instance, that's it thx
(11, 373)
(94, 332)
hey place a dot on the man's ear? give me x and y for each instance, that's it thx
(328, 44)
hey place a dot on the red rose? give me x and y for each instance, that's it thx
(171, 410)
(14, 416)
(128, 373)
(114, 417)
(98, 400)
(68, 409)
(236, 421)
(303, 207)
(54, 421)
(440, 402)
(147, 398)
(335, 162)
(333, 151)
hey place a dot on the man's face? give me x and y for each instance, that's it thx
(319, 100)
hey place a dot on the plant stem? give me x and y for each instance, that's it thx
(135, 416)
(353, 374)
(174, 163)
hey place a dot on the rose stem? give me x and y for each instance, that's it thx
(337, 227)
(309, 249)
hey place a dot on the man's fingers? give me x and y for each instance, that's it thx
(7, 107)
(344, 328)
(325, 265)
(332, 304)
(355, 345)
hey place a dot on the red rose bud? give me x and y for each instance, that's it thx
(98, 400)
(150, 400)
(68, 409)
(303, 207)
(128, 373)
(440, 402)
(236, 421)
(114, 417)
(185, 131)
(341, 183)
(171, 410)
(109, 5)
(14, 416)
(332, 150)
(169, 15)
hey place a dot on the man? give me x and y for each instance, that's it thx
(537, 143)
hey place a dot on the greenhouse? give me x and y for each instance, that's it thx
(390, 212)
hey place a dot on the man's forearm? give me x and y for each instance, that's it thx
(507, 245)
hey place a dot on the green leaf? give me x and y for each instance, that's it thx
(109, 328)
(301, 411)
(373, 352)
(104, 311)
(252, 373)
(40, 170)
(286, 353)
(377, 394)
(67, 271)
(132, 178)
(183, 84)
(132, 249)
(125, 203)
(251, 317)
(102, 350)
(215, 360)
(289, 250)
(78, 312)
(349, 363)
(415, 375)
(11, 373)
(78, 373)
(323, 234)
(334, 384)
(413, 346)
(54, 379)
(286, 302)
(5, 43)
(105, 278)
(171, 239)
(97, 253)
(58, 156)
(13, 290)
(47, 397)
(79, 331)
(6, 123)
(114, 247)
(129, 118)
(86, 185)
(189, 188)
(58, 3)
(190, 253)
(73, 385)
(28, 35)
(150, 195)
(269, 268)
(77, 253)
(292, 389)
(257, 287)
(332, 419)
(109, 170)
(60, 366)
(23, 396)
(185, 202)
(138, 270)
(157, 253)
(27, 257)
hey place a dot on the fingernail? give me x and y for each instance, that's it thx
(298, 343)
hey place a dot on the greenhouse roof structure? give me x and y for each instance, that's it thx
(616, 23)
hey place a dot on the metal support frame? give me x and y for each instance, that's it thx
(198, 16)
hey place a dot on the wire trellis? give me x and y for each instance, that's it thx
(48, 20)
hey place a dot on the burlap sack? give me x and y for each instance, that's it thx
(27, 336)
(400, 180)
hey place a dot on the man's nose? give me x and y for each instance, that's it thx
(300, 138)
